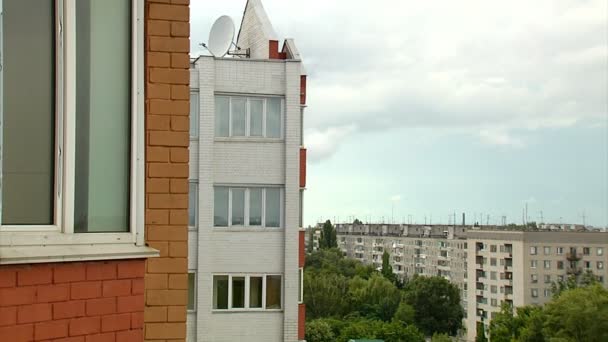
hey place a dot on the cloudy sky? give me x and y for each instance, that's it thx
(419, 109)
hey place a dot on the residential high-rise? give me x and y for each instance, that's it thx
(247, 178)
(519, 267)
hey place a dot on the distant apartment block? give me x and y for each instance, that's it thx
(490, 265)
(518, 267)
(247, 177)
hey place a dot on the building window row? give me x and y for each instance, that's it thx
(247, 206)
(599, 251)
(240, 116)
(560, 264)
(247, 292)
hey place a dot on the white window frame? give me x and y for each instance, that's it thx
(247, 277)
(301, 285)
(20, 244)
(247, 189)
(248, 99)
(195, 117)
(196, 206)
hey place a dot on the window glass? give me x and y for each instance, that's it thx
(255, 206)
(191, 291)
(301, 284)
(273, 292)
(256, 118)
(28, 122)
(238, 292)
(238, 207)
(273, 207)
(239, 114)
(273, 117)
(255, 292)
(222, 116)
(220, 206)
(194, 113)
(103, 115)
(220, 292)
(192, 204)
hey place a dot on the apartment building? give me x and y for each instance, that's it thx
(429, 250)
(94, 170)
(247, 176)
(518, 267)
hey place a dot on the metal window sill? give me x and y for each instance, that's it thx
(66, 253)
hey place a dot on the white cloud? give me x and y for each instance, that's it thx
(495, 137)
(323, 144)
(396, 198)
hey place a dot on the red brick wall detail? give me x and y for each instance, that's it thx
(167, 130)
(302, 89)
(302, 167)
(301, 249)
(273, 50)
(96, 301)
(301, 321)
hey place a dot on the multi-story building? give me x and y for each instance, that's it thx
(519, 267)
(94, 104)
(247, 177)
(430, 250)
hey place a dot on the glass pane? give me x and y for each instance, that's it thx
(222, 116)
(192, 204)
(273, 292)
(255, 207)
(28, 99)
(103, 115)
(256, 108)
(191, 290)
(238, 292)
(220, 292)
(220, 206)
(194, 115)
(300, 284)
(273, 117)
(273, 207)
(239, 114)
(238, 207)
(255, 292)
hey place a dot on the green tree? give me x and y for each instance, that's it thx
(357, 222)
(319, 331)
(375, 297)
(405, 314)
(441, 338)
(527, 325)
(328, 236)
(324, 294)
(387, 269)
(311, 236)
(572, 282)
(436, 302)
(481, 333)
(579, 314)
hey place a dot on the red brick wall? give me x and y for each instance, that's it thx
(167, 138)
(301, 321)
(302, 167)
(72, 302)
(303, 89)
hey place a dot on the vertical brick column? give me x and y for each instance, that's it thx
(167, 137)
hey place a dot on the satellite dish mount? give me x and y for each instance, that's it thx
(221, 39)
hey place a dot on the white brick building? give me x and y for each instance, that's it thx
(247, 177)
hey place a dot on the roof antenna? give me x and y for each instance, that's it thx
(221, 39)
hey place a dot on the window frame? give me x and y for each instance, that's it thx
(300, 285)
(61, 232)
(247, 206)
(196, 202)
(248, 136)
(195, 290)
(247, 277)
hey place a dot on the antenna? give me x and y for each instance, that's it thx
(221, 38)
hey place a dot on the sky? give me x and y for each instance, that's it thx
(422, 110)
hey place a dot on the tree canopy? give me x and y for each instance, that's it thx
(328, 238)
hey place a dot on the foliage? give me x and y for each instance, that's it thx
(405, 314)
(387, 269)
(481, 333)
(375, 298)
(525, 326)
(580, 314)
(441, 338)
(311, 236)
(328, 237)
(357, 222)
(573, 282)
(324, 294)
(319, 331)
(436, 302)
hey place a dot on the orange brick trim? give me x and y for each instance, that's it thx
(301, 321)
(102, 301)
(167, 130)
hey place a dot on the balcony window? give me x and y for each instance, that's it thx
(559, 250)
(534, 278)
(247, 292)
(547, 293)
(547, 264)
(533, 250)
(586, 251)
(69, 159)
(255, 117)
(533, 263)
(248, 207)
(547, 278)
(600, 251)
(600, 265)
(534, 293)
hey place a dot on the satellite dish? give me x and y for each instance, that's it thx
(221, 36)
